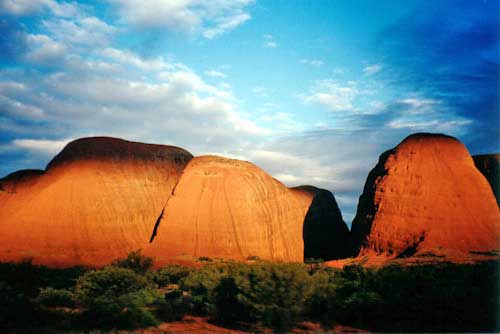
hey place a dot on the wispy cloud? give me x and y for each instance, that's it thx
(40, 146)
(208, 18)
(332, 95)
(27, 7)
(312, 62)
(373, 69)
(215, 74)
(269, 41)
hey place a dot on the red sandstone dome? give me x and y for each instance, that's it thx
(425, 197)
(231, 209)
(96, 201)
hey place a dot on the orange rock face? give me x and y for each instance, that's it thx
(489, 166)
(326, 235)
(96, 201)
(224, 208)
(425, 197)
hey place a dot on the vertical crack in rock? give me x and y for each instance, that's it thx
(158, 220)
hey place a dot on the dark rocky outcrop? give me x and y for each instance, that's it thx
(325, 233)
(489, 166)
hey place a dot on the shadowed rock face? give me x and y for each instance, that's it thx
(325, 233)
(425, 196)
(232, 209)
(489, 166)
(95, 202)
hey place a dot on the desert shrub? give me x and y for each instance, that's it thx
(18, 314)
(171, 274)
(173, 306)
(116, 297)
(136, 261)
(228, 306)
(109, 282)
(55, 297)
(124, 312)
(201, 284)
(273, 294)
(29, 278)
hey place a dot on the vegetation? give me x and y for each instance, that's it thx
(129, 294)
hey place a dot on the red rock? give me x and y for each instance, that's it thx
(425, 197)
(225, 208)
(96, 201)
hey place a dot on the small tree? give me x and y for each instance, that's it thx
(136, 261)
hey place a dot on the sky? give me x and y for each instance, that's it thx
(310, 91)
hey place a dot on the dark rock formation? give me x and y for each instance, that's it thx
(489, 166)
(326, 235)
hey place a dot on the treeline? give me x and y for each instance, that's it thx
(128, 294)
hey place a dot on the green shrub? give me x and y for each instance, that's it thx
(173, 306)
(109, 282)
(55, 297)
(136, 261)
(201, 284)
(171, 274)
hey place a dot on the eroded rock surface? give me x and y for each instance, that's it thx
(426, 198)
(95, 202)
(225, 208)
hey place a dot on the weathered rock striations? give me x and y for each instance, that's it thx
(95, 202)
(326, 235)
(225, 208)
(426, 198)
(489, 166)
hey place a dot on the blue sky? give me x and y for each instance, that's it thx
(311, 91)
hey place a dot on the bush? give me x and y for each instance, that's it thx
(273, 294)
(171, 274)
(17, 313)
(109, 282)
(116, 298)
(55, 297)
(201, 284)
(136, 261)
(173, 306)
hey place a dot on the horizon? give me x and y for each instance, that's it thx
(312, 93)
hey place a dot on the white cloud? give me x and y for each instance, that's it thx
(332, 95)
(129, 58)
(41, 146)
(87, 30)
(259, 91)
(271, 44)
(312, 62)
(372, 69)
(19, 109)
(269, 41)
(225, 24)
(42, 48)
(209, 18)
(28, 7)
(215, 74)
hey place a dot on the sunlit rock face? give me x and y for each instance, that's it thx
(326, 235)
(489, 166)
(425, 197)
(96, 201)
(225, 208)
